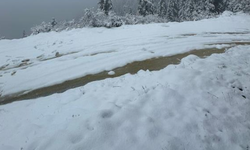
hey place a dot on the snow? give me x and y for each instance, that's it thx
(198, 104)
(93, 50)
(111, 73)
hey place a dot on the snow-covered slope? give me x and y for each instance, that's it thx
(51, 58)
(197, 105)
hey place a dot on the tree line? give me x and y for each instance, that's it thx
(118, 12)
(182, 10)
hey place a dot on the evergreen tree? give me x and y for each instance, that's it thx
(162, 8)
(108, 6)
(209, 6)
(24, 34)
(141, 10)
(146, 7)
(203, 9)
(101, 4)
(186, 10)
(239, 5)
(173, 10)
(247, 6)
(53, 22)
(220, 6)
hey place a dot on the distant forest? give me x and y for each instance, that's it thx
(180, 10)
(114, 13)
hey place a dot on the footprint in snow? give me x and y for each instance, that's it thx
(106, 114)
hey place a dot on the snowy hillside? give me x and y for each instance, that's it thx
(197, 104)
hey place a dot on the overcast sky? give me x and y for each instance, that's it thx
(19, 15)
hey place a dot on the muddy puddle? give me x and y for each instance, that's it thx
(214, 33)
(234, 43)
(245, 32)
(153, 64)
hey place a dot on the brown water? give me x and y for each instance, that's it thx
(233, 33)
(234, 43)
(132, 68)
(153, 64)
(245, 32)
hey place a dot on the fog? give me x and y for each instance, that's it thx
(19, 15)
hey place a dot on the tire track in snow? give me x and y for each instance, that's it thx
(133, 49)
(151, 64)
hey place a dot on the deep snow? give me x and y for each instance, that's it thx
(90, 51)
(198, 104)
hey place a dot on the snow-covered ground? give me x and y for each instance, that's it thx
(31, 63)
(198, 104)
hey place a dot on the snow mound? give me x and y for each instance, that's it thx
(227, 14)
(111, 73)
